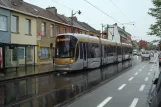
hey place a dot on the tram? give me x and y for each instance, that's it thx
(80, 51)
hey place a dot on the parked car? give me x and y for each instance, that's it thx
(134, 52)
(139, 53)
(145, 55)
(155, 98)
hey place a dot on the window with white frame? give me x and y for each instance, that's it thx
(57, 30)
(28, 26)
(43, 28)
(14, 24)
(44, 52)
(21, 53)
(51, 31)
(3, 23)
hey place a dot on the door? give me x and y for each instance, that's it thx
(110, 54)
(14, 58)
(85, 55)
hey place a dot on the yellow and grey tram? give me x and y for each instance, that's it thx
(80, 51)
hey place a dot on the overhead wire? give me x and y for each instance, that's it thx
(102, 11)
(119, 10)
(62, 5)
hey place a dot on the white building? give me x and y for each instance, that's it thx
(117, 34)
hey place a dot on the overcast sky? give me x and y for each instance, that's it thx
(129, 11)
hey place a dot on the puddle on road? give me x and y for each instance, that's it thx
(53, 89)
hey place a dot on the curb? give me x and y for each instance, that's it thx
(25, 76)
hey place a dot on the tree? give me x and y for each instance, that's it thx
(155, 29)
(134, 44)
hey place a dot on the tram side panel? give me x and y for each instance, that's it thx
(94, 55)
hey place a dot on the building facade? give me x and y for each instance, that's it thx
(5, 37)
(23, 32)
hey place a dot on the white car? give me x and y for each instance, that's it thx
(145, 55)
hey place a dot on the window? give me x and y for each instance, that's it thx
(80, 32)
(44, 52)
(14, 24)
(21, 53)
(3, 23)
(64, 30)
(57, 30)
(92, 34)
(28, 26)
(43, 28)
(29, 53)
(14, 54)
(77, 52)
(81, 50)
(51, 31)
(65, 46)
(93, 50)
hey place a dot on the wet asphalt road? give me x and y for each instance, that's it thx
(51, 90)
(131, 89)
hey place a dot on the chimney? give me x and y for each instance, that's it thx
(52, 9)
(115, 24)
(123, 28)
(75, 18)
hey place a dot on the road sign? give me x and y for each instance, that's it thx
(38, 36)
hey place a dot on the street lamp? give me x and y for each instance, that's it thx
(79, 12)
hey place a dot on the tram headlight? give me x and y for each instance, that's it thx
(72, 60)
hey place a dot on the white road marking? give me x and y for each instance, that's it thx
(142, 87)
(134, 102)
(104, 102)
(149, 73)
(122, 86)
(136, 73)
(131, 78)
(146, 79)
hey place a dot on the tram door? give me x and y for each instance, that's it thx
(85, 55)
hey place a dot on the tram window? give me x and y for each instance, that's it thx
(105, 51)
(77, 52)
(84, 47)
(81, 50)
(108, 50)
(89, 50)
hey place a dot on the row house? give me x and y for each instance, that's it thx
(91, 30)
(115, 33)
(4, 34)
(77, 28)
(21, 30)
(21, 23)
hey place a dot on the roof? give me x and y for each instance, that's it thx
(88, 27)
(29, 8)
(68, 21)
(121, 30)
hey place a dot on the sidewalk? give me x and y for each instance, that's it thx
(22, 72)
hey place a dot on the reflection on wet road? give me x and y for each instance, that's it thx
(54, 89)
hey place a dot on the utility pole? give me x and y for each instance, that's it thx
(72, 22)
(79, 12)
(102, 29)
